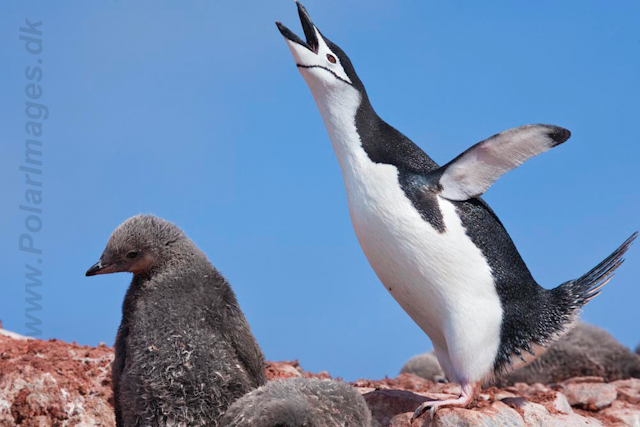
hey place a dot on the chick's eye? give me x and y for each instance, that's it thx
(331, 58)
(132, 254)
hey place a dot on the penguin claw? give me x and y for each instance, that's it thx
(431, 405)
(417, 413)
(469, 392)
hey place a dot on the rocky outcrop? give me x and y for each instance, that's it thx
(52, 383)
(588, 401)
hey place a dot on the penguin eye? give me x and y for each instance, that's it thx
(132, 254)
(331, 58)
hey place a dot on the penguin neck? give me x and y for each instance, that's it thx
(361, 138)
(339, 111)
(172, 261)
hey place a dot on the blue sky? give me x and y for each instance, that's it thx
(196, 113)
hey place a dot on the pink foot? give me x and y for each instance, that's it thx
(466, 397)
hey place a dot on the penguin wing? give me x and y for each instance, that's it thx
(474, 171)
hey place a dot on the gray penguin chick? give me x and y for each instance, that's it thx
(585, 351)
(426, 366)
(300, 402)
(184, 350)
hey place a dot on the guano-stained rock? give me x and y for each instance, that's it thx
(52, 383)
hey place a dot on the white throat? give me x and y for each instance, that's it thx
(338, 109)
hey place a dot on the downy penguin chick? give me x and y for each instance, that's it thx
(425, 366)
(433, 242)
(184, 350)
(586, 351)
(300, 402)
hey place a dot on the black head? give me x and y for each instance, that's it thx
(323, 64)
(138, 245)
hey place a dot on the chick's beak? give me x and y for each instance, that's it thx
(99, 268)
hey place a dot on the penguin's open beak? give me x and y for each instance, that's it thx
(99, 268)
(310, 31)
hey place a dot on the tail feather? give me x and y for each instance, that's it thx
(553, 314)
(589, 285)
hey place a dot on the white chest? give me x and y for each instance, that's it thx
(436, 277)
(441, 280)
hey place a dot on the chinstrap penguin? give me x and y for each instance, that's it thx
(436, 246)
(300, 402)
(184, 350)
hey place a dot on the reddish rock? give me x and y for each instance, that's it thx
(13, 335)
(591, 396)
(561, 404)
(628, 390)
(535, 414)
(52, 383)
(621, 413)
(385, 405)
(495, 415)
(407, 382)
(279, 370)
(580, 380)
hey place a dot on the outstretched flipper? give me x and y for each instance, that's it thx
(474, 171)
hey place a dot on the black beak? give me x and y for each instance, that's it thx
(307, 27)
(96, 268)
